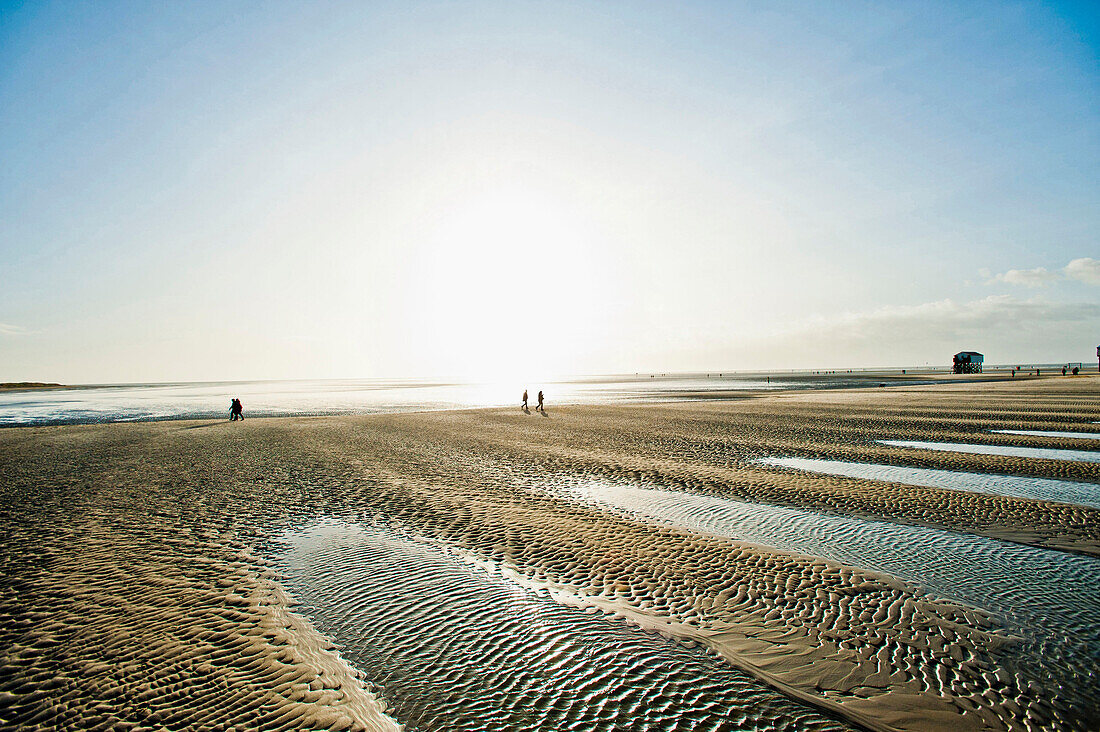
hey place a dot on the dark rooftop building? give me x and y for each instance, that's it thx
(967, 362)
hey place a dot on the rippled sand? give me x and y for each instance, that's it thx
(461, 649)
(137, 588)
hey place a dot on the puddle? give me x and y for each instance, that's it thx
(1081, 456)
(1047, 433)
(1049, 598)
(453, 647)
(1043, 489)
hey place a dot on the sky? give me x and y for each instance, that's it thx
(260, 190)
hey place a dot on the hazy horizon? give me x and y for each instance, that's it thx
(534, 379)
(220, 192)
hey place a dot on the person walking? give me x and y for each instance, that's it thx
(524, 405)
(540, 408)
(236, 411)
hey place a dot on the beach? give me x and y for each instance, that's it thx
(196, 573)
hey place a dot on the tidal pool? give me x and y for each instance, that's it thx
(1050, 599)
(1043, 489)
(1048, 433)
(1045, 453)
(451, 646)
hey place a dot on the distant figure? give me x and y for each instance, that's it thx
(1063, 371)
(1076, 369)
(524, 406)
(539, 407)
(236, 411)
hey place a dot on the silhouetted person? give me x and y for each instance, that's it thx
(1063, 371)
(539, 407)
(236, 411)
(524, 407)
(232, 409)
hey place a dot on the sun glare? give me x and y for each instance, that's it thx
(509, 285)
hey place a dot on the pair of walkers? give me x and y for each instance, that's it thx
(539, 408)
(236, 411)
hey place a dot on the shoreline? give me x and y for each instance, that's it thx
(641, 398)
(146, 504)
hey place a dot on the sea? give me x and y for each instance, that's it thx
(95, 403)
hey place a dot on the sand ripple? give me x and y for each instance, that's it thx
(120, 619)
(457, 648)
(134, 593)
(1060, 602)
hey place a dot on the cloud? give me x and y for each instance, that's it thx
(1085, 269)
(1004, 327)
(6, 329)
(1037, 277)
(947, 319)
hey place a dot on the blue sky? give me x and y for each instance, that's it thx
(269, 190)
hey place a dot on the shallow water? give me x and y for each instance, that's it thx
(1083, 456)
(1043, 489)
(1049, 598)
(1050, 433)
(453, 647)
(210, 400)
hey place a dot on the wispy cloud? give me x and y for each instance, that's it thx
(1037, 277)
(8, 329)
(1085, 269)
(948, 318)
(1002, 326)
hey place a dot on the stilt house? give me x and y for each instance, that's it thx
(967, 362)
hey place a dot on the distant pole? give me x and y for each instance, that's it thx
(1098, 358)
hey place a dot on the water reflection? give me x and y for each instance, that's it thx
(1043, 489)
(1050, 598)
(210, 400)
(1044, 453)
(1050, 433)
(454, 647)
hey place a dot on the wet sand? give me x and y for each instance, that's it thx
(138, 590)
